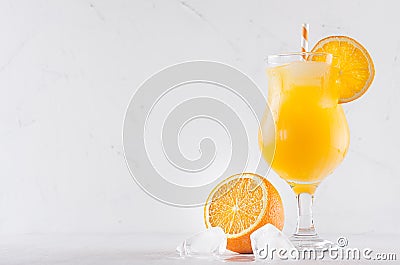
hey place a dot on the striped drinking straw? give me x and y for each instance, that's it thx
(304, 38)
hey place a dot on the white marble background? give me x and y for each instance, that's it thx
(69, 68)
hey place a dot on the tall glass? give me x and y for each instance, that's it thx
(308, 131)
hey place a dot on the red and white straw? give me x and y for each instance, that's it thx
(304, 37)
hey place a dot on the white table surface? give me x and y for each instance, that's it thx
(143, 249)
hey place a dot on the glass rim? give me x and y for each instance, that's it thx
(290, 54)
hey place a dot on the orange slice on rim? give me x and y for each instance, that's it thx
(353, 63)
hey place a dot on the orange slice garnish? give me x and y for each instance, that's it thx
(355, 68)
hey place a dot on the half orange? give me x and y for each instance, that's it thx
(355, 68)
(240, 205)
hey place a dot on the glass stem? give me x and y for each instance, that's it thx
(305, 222)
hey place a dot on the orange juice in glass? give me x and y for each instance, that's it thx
(309, 134)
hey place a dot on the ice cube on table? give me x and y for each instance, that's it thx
(267, 238)
(210, 242)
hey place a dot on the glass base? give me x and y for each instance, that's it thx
(307, 242)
